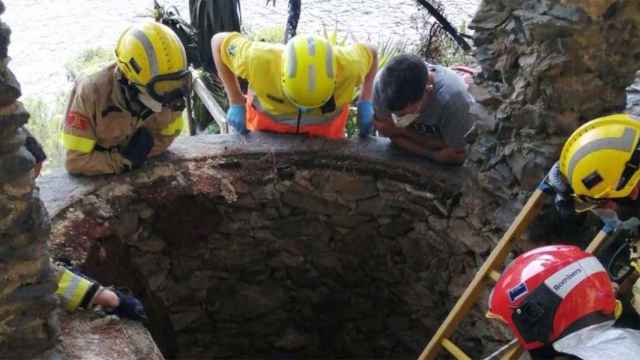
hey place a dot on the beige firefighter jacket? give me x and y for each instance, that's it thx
(97, 125)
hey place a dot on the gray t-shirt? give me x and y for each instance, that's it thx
(445, 114)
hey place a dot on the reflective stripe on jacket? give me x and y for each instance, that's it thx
(96, 126)
(328, 126)
(74, 290)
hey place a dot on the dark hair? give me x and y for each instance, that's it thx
(403, 81)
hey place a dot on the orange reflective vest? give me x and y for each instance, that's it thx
(334, 128)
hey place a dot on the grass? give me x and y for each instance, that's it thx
(88, 62)
(47, 112)
(45, 123)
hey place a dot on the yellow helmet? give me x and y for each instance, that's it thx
(600, 160)
(151, 56)
(308, 71)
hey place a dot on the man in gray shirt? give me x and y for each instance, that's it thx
(423, 109)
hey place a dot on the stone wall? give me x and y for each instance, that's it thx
(547, 67)
(282, 246)
(26, 288)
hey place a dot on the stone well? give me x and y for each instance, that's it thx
(280, 247)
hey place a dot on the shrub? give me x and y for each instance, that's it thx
(47, 112)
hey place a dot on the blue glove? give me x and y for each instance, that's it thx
(365, 117)
(554, 183)
(130, 307)
(630, 227)
(236, 116)
(609, 218)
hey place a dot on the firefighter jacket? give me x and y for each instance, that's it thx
(74, 290)
(97, 125)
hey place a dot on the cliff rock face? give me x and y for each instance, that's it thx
(547, 67)
(27, 301)
(281, 246)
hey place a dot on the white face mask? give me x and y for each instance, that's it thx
(149, 102)
(404, 120)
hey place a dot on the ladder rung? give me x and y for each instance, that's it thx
(514, 352)
(494, 275)
(454, 350)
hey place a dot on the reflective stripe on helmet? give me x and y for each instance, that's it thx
(77, 143)
(311, 85)
(329, 62)
(292, 63)
(567, 278)
(72, 289)
(622, 143)
(174, 128)
(149, 51)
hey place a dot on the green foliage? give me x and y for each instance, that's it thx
(45, 122)
(389, 48)
(201, 115)
(436, 45)
(47, 112)
(351, 129)
(450, 53)
(272, 34)
(88, 62)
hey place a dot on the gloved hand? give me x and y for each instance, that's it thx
(129, 307)
(34, 147)
(630, 227)
(139, 147)
(554, 183)
(236, 116)
(609, 218)
(365, 117)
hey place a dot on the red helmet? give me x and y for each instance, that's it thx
(551, 291)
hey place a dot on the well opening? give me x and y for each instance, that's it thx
(279, 256)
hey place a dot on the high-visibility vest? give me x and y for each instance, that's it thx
(328, 125)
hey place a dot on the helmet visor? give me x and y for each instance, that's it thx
(170, 88)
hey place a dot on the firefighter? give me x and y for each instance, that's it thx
(302, 87)
(129, 110)
(598, 165)
(558, 301)
(75, 290)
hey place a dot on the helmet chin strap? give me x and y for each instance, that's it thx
(150, 103)
(132, 100)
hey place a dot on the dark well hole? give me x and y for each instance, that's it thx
(348, 267)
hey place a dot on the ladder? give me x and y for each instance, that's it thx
(487, 276)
